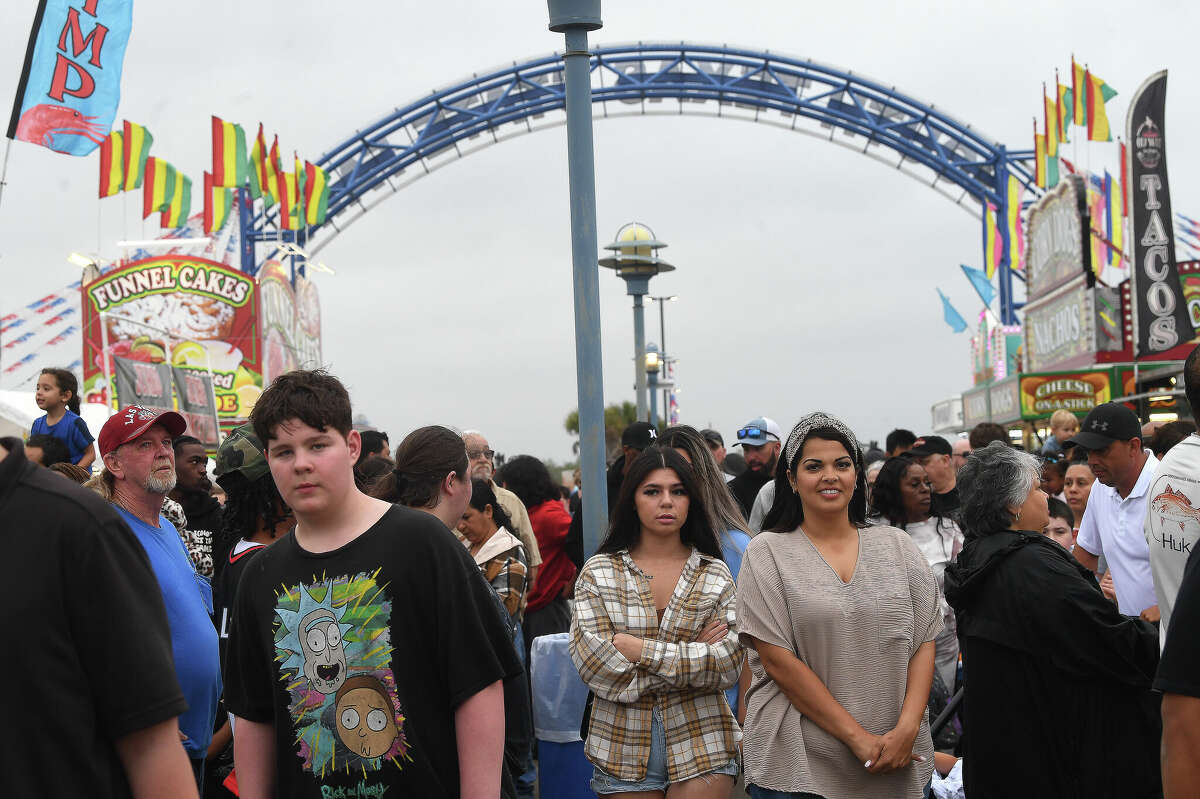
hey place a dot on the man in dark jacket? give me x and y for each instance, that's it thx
(1058, 700)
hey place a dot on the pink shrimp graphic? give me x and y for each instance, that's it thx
(43, 124)
(1174, 505)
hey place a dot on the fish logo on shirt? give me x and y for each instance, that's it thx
(1174, 505)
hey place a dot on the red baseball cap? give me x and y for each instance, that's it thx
(130, 422)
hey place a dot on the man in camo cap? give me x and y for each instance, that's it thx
(254, 516)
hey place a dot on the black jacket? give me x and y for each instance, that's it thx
(1058, 699)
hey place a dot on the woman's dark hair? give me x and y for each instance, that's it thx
(423, 459)
(528, 478)
(482, 496)
(887, 498)
(1169, 435)
(66, 381)
(247, 504)
(787, 513)
(370, 471)
(70, 471)
(625, 529)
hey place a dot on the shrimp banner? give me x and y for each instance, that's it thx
(71, 79)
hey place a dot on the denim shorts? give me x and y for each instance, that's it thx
(656, 767)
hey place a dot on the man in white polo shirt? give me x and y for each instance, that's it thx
(1112, 525)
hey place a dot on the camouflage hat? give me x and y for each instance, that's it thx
(241, 452)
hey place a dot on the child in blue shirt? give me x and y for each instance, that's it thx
(58, 395)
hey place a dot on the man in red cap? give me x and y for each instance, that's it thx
(139, 470)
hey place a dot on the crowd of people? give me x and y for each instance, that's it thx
(329, 616)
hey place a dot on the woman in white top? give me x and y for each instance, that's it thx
(902, 498)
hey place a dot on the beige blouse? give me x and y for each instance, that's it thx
(858, 638)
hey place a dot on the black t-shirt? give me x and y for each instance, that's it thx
(1179, 667)
(359, 657)
(745, 488)
(225, 582)
(90, 651)
(948, 505)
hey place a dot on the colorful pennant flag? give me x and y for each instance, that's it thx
(1016, 233)
(1115, 206)
(1063, 110)
(260, 184)
(992, 245)
(1039, 150)
(301, 187)
(1078, 93)
(217, 202)
(1097, 213)
(1098, 93)
(70, 83)
(289, 219)
(981, 284)
(158, 187)
(229, 154)
(1050, 107)
(316, 198)
(952, 317)
(274, 170)
(137, 141)
(112, 164)
(179, 206)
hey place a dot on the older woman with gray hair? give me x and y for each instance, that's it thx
(1057, 681)
(839, 621)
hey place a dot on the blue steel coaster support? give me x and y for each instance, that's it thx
(575, 18)
(675, 78)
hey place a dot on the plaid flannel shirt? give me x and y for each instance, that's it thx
(680, 677)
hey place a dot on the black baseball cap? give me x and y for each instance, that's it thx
(930, 445)
(1105, 424)
(639, 435)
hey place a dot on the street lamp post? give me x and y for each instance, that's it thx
(635, 261)
(575, 19)
(666, 360)
(653, 364)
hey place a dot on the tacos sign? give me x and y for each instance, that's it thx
(187, 312)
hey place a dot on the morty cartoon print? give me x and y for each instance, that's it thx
(333, 647)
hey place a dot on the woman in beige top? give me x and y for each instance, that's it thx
(839, 620)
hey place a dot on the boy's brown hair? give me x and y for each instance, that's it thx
(315, 397)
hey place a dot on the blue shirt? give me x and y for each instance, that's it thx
(70, 429)
(733, 547)
(188, 599)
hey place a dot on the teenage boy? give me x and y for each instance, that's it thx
(366, 653)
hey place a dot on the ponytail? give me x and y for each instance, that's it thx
(66, 381)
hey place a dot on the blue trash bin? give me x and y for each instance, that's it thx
(558, 699)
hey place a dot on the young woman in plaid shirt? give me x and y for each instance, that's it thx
(654, 635)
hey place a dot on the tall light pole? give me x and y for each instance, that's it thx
(653, 364)
(666, 359)
(635, 261)
(574, 19)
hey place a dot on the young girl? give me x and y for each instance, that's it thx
(654, 635)
(58, 395)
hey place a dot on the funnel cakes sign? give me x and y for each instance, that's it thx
(182, 311)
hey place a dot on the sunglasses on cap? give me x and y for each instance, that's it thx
(752, 432)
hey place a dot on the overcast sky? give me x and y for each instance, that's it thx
(806, 273)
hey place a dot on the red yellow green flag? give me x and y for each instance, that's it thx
(179, 206)
(992, 245)
(1098, 93)
(137, 141)
(217, 202)
(316, 200)
(260, 184)
(1051, 110)
(1115, 220)
(112, 164)
(229, 154)
(1064, 111)
(273, 170)
(1039, 151)
(289, 217)
(301, 187)
(1096, 216)
(158, 187)
(1016, 234)
(1078, 93)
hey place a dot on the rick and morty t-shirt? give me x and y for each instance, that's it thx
(359, 657)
